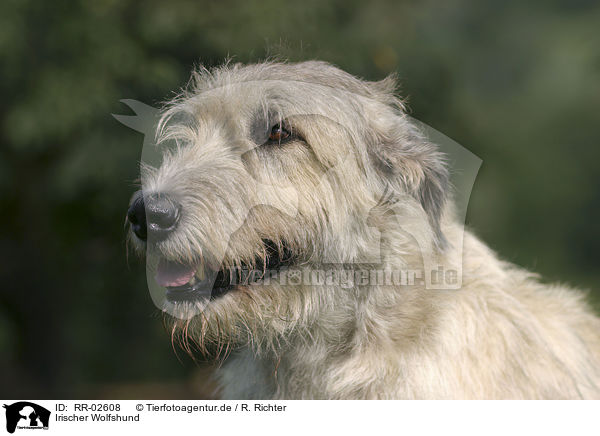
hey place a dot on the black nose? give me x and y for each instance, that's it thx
(153, 216)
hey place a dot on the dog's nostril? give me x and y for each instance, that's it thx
(162, 213)
(136, 214)
(153, 216)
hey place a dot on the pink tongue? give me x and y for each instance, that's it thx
(170, 274)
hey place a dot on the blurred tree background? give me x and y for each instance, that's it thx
(517, 83)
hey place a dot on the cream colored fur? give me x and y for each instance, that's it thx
(503, 334)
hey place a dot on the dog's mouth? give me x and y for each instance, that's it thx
(190, 282)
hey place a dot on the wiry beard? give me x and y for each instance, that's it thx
(259, 317)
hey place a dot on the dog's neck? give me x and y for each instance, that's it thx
(351, 339)
(351, 342)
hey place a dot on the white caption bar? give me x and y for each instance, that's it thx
(151, 417)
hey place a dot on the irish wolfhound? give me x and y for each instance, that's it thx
(272, 176)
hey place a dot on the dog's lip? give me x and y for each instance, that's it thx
(188, 292)
(199, 284)
(193, 282)
(212, 284)
(171, 274)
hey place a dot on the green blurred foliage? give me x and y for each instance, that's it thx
(517, 83)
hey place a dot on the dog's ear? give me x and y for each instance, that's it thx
(410, 163)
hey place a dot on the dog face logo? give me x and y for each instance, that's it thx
(465, 166)
(26, 415)
(249, 176)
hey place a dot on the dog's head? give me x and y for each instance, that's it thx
(271, 167)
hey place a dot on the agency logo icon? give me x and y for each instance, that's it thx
(26, 415)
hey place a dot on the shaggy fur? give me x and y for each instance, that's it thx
(358, 182)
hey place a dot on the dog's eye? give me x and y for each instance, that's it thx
(279, 133)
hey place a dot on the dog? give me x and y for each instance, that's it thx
(284, 198)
